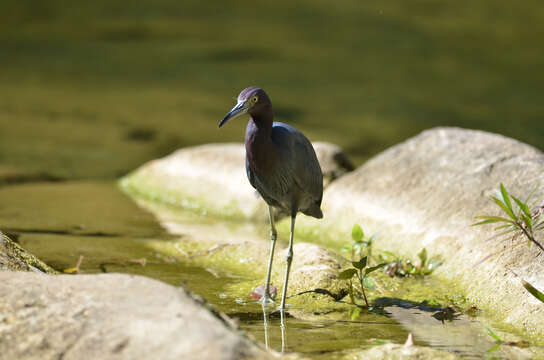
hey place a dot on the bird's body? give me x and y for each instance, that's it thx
(281, 165)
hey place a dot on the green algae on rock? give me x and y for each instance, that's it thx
(14, 257)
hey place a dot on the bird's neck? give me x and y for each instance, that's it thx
(263, 120)
(260, 149)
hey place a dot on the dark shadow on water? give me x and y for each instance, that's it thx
(438, 313)
(440, 328)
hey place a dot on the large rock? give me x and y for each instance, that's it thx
(110, 316)
(212, 179)
(426, 192)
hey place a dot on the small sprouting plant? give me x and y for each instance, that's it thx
(519, 219)
(499, 341)
(360, 245)
(361, 272)
(405, 267)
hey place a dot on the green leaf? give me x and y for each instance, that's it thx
(363, 262)
(369, 283)
(527, 221)
(422, 255)
(355, 313)
(505, 208)
(506, 198)
(523, 206)
(489, 221)
(346, 249)
(357, 233)
(374, 268)
(372, 238)
(357, 265)
(493, 348)
(496, 218)
(71, 270)
(530, 288)
(347, 274)
(493, 335)
(502, 227)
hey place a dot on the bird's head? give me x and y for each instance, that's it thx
(252, 100)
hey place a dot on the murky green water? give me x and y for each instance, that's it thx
(93, 90)
(114, 235)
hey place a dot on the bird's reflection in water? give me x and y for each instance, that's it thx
(282, 328)
(265, 323)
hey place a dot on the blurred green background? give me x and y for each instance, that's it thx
(92, 89)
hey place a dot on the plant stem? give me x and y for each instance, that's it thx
(361, 278)
(529, 235)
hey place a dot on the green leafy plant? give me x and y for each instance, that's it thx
(519, 217)
(360, 271)
(401, 267)
(360, 246)
(499, 341)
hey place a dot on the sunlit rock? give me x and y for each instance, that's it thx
(426, 192)
(111, 316)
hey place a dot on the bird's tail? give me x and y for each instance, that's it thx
(315, 212)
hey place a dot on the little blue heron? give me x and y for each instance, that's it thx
(281, 164)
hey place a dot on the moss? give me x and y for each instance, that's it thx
(14, 257)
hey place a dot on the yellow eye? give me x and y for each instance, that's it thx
(254, 99)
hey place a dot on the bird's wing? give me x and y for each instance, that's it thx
(298, 159)
(266, 190)
(250, 175)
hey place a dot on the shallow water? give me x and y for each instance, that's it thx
(126, 238)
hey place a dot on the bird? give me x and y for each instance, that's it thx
(282, 166)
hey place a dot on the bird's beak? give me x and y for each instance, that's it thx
(240, 109)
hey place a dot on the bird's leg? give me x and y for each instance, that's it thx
(267, 299)
(283, 334)
(265, 323)
(288, 264)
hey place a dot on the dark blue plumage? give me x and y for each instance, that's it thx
(291, 179)
(281, 164)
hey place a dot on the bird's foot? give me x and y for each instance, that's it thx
(267, 300)
(264, 297)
